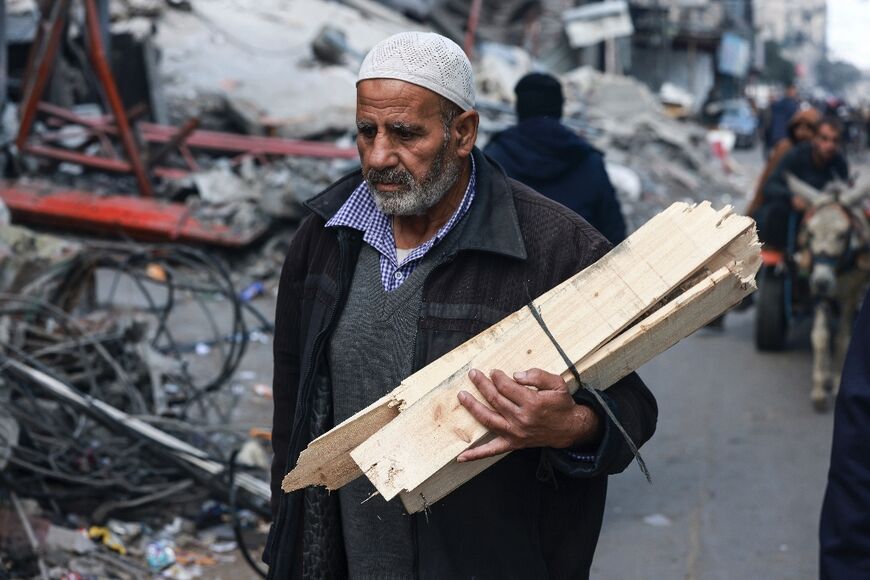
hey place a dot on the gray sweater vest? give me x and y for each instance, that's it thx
(370, 353)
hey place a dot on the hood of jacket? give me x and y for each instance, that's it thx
(541, 148)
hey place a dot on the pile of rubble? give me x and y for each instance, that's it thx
(120, 379)
(653, 159)
(287, 68)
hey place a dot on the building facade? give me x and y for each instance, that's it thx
(799, 27)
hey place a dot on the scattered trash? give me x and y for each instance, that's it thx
(76, 541)
(156, 272)
(160, 554)
(258, 337)
(253, 454)
(223, 547)
(252, 291)
(657, 520)
(107, 538)
(263, 390)
(125, 530)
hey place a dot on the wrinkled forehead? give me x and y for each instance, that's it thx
(392, 97)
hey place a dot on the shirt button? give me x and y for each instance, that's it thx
(398, 275)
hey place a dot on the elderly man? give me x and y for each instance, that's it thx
(425, 247)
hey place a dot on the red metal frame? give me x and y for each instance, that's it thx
(139, 218)
(104, 73)
(471, 27)
(41, 59)
(215, 141)
(40, 63)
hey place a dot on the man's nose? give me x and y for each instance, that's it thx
(381, 154)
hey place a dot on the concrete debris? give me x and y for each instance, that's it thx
(678, 102)
(261, 51)
(220, 185)
(5, 217)
(625, 180)
(76, 541)
(671, 158)
(25, 256)
(330, 46)
(498, 68)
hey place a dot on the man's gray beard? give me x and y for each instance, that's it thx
(414, 198)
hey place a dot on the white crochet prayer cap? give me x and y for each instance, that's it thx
(425, 59)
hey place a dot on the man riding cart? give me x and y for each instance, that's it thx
(815, 230)
(783, 284)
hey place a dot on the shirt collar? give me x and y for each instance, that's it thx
(361, 213)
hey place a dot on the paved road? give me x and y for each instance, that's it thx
(739, 463)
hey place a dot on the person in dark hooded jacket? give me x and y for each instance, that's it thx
(544, 154)
(845, 526)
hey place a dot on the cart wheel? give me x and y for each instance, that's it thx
(771, 324)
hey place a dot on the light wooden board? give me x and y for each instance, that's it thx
(582, 313)
(327, 461)
(680, 317)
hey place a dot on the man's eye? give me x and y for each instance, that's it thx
(405, 135)
(367, 132)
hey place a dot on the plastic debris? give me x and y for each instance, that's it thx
(107, 538)
(252, 291)
(160, 554)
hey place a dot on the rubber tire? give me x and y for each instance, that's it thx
(771, 324)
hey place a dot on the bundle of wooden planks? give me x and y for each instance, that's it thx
(683, 268)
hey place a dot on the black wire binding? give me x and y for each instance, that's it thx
(590, 390)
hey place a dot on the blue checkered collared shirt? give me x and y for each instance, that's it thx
(360, 213)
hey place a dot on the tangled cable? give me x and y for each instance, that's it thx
(104, 322)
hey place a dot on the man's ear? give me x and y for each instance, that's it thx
(465, 132)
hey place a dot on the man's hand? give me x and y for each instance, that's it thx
(543, 416)
(798, 203)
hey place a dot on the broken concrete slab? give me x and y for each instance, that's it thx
(261, 51)
(221, 185)
(25, 255)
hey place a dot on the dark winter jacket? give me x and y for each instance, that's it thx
(550, 158)
(799, 162)
(781, 112)
(536, 513)
(845, 528)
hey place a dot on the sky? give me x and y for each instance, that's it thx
(849, 31)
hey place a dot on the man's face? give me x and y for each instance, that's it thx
(407, 158)
(804, 131)
(826, 143)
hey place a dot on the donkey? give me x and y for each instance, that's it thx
(835, 239)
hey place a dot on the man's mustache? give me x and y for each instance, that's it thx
(395, 175)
